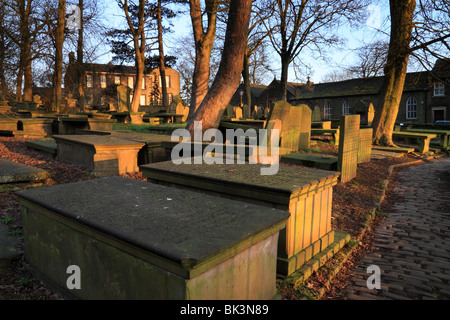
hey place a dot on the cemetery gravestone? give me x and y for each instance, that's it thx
(123, 96)
(305, 128)
(365, 145)
(316, 117)
(136, 240)
(238, 112)
(348, 147)
(370, 114)
(305, 192)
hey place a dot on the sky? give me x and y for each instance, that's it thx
(336, 58)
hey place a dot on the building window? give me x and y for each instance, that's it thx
(439, 89)
(345, 108)
(170, 97)
(103, 81)
(411, 108)
(89, 82)
(130, 82)
(327, 111)
(142, 100)
(117, 79)
(167, 82)
(143, 84)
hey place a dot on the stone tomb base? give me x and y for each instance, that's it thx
(306, 193)
(137, 240)
(103, 155)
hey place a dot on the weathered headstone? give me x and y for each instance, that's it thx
(123, 96)
(37, 100)
(305, 128)
(136, 240)
(238, 112)
(179, 108)
(316, 117)
(295, 131)
(348, 147)
(365, 145)
(370, 114)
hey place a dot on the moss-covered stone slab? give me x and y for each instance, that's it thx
(305, 192)
(48, 146)
(310, 160)
(104, 155)
(137, 240)
(12, 172)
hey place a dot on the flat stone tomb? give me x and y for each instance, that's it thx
(12, 172)
(70, 125)
(153, 151)
(136, 240)
(305, 192)
(103, 155)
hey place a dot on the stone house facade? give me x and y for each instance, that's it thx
(425, 99)
(101, 81)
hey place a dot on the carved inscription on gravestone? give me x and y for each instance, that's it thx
(348, 147)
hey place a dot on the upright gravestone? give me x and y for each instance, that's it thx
(305, 128)
(370, 114)
(295, 125)
(365, 145)
(238, 112)
(179, 108)
(316, 117)
(348, 147)
(123, 98)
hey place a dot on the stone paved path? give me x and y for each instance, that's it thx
(412, 246)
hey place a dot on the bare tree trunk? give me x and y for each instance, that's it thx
(203, 46)
(162, 62)
(139, 48)
(402, 12)
(230, 69)
(80, 58)
(284, 76)
(59, 41)
(247, 89)
(25, 48)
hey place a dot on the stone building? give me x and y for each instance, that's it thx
(425, 99)
(101, 81)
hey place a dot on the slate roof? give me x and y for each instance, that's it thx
(415, 81)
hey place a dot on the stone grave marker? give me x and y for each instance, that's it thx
(305, 192)
(238, 112)
(316, 117)
(305, 128)
(295, 121)
(123, 96)
(365, 145)
(348, 147)
(136, 240)
(370, 114)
